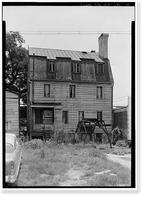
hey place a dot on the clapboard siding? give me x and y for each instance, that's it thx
(61, 90)
(12, 112)
(86, 81)
(85, 101)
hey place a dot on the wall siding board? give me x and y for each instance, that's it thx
(12, 112)
(59, 91)
(85, 100)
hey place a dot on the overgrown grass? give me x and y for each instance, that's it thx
(52, 168)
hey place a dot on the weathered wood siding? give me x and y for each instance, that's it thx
(59, 90)
(63, 70)
(12, 113)
(85, 101)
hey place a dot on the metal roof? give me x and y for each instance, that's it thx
(52, 54)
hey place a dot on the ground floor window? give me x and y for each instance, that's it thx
(38, 116)
(99, 116)
(65, 117)
(44, 116)
(98, 137)
(81, 115)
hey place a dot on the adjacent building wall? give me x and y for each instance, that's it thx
(12, 113)
(122, 118)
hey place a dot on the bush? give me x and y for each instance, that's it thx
(34, 144)
(124, 143)
(60, 136)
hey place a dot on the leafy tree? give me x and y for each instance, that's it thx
(16, 64)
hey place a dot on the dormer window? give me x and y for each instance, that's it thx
(76, 68)
(100, 68)
(51, 66)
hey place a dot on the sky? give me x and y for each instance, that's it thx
(101, 19)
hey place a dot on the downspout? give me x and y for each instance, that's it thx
(28, 100)
(19, 113)
(33, 78)
(31, 113)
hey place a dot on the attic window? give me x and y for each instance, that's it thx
(51, 67)
(76, 68)
(100, 68)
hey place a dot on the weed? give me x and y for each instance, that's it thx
(60, 159)
(104, 180)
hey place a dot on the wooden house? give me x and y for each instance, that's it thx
(65, 86)
(12, 112)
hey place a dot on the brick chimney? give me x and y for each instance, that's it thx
(103, 45)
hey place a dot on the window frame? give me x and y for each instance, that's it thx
(65, 116)
(101, 115)
(49, 90)
(76, 66)
(51, 64)
(101, 95)
(100, 68)
(70, 91)
(83, 113)
(41, 116)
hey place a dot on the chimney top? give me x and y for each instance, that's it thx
(103, 45)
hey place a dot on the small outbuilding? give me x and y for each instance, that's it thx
(12, 112)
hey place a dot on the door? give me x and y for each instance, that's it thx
(48, 116)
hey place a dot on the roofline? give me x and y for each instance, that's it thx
(64, 50)
(70, 81)
(7, 90)
(67, 58)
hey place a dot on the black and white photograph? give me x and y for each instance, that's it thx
(69, 95)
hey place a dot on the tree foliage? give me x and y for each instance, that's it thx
(16, 64)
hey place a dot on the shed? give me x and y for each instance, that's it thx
(12, 112)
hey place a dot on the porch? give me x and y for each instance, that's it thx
(44, 115)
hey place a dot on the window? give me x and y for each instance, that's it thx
(38, 116)
(48, 116)
(99, 91)
(72, 90)
(81, 115)
(8, 126)
(76, 68)
(51, 67)
(46, 90)
(100, 68)
(65, 117)
(99, 116)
